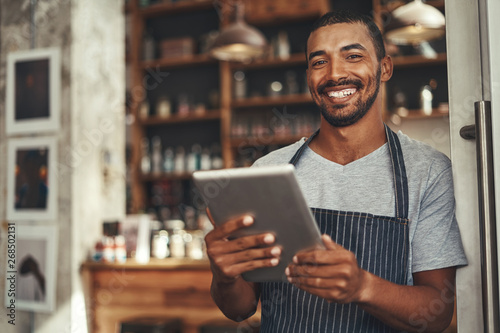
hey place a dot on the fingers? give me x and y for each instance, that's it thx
(329, 243)
(232, 257)
(226, 229)
(250, 258)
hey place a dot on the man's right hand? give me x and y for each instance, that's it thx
(230, 258)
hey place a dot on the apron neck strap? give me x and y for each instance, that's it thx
(398, 170)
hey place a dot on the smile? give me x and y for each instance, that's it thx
(341, 93)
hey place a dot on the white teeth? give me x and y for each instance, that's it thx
(341, 93)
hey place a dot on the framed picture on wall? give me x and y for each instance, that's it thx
(33, 91)
(35, 270)
(32, 179)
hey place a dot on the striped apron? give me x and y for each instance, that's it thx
(380, 244)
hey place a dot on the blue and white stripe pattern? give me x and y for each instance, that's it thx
(380, 244)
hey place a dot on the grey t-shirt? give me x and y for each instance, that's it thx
(366, 185)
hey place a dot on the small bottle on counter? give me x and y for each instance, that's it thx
(177, 245)
(120, 249)
(98, 251)
(108, 253)
(160, 245)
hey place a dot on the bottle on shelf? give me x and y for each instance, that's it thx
(156, 157)
(426, 100)
(180, 159)
(168, 160)
(217, 162)
(205, 160)
(145, 157)
(144, 109)
(183, 105)
(148, 47)
(163, 107)
(283, 45)
(292, 86)
(275, 89)
(193, 158)
(240, 85)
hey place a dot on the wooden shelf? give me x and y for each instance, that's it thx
(418, 114)
(175, 119)
(418, 60)
(163, 9)
(174, 63)
(272, 101)
(265, 141)
(294, 60)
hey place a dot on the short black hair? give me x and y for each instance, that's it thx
(350, 16)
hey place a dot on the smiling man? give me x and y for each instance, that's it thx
(383, 201)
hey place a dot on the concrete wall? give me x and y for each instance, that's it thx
(433, 131)
(91, 168)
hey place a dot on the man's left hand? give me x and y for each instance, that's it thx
(332, 273)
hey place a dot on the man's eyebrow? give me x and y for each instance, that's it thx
(355, 46)
(316, 54)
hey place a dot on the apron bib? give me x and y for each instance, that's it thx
(380, 244)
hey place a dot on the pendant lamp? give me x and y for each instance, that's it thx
(414, 23)
(239, 41)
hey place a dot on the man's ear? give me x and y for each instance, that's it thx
(386, 68)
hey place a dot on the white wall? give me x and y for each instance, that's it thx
(90, 34)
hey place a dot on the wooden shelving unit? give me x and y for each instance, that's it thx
(418, 61)
(264, 141)
(410, 62)
(271, 101)
(169, 9)
(293, 60)
(418, 114)
(181, 62)
(176, 119)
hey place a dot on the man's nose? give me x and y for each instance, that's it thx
(336, 71)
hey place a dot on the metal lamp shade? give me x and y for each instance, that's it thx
(239, 42)
(415, 23)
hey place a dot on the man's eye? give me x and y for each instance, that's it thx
(319, 62)
(354, 56)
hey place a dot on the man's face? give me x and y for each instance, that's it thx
(343, 72)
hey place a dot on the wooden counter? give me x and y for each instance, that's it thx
(168, 288)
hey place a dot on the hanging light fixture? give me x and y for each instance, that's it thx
(239, 41)
(414, 23)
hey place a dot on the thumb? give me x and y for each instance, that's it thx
(210, 218)
(329, 243)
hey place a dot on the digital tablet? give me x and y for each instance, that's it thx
(273, 197)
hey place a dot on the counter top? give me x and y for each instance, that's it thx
(153, 264)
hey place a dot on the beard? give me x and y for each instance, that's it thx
(337, 119)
